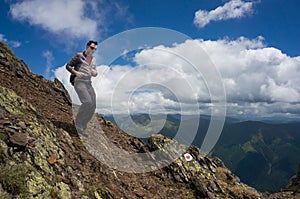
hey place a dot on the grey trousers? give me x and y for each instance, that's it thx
(87, 97)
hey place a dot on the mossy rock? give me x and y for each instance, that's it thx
(13, 178)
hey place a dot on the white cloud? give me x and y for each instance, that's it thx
(259, 80)
(70, 18)
(279, 92)
(2, 38)
(13, 44)
(56, 16)
(230, 10)
(257, 73)
(49, 59)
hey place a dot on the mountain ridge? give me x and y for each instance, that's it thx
(42, 156)
(275, 144)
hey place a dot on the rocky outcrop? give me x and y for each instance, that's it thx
(208, 177)
(41, 155)
(27, 142)
(48, 97)
(40, 160)
(294, 184)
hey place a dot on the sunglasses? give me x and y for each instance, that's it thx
(93, 48)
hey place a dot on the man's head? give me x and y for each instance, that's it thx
(91, 47)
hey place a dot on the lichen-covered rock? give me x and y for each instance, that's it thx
(31, 174)
(49, 98)
(26, 167)
(208, 177)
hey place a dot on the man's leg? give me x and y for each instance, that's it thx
(84, 112)
(91, 107)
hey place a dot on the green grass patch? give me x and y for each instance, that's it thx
(3, 136)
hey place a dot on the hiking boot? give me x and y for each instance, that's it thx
(82, 132)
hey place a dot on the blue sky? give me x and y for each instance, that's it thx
(254, 44)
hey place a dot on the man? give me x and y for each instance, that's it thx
(83, 67)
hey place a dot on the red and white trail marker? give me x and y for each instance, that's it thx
(188, 157)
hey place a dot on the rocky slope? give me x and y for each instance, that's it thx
(41, 155)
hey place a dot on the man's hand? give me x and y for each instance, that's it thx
(94, 72)
(78, 74)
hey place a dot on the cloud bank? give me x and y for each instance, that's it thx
(75, 18)
(260, 81)
(230, 10)
(61, 16)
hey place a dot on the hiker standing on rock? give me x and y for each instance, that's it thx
(83, 67)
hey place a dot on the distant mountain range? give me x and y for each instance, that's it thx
(258, 152)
